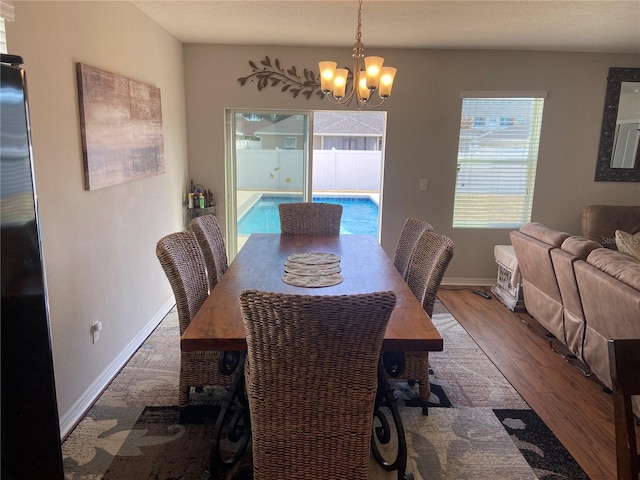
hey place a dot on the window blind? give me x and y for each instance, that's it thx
(497, 158)
(3, 37)
(6, 14)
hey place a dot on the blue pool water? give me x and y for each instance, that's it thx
(359, 215)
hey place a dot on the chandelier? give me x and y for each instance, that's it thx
(368, 77)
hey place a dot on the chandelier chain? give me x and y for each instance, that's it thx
(359, 29)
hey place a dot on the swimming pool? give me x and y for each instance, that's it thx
(359, 214)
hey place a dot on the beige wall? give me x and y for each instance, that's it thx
(98, 246)
(423, 116)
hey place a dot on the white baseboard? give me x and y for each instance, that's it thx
(469, 282)
(70, 418)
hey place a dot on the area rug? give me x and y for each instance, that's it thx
(478, 426)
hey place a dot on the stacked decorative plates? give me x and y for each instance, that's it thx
(316, 269)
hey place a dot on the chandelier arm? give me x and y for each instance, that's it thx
(368, 103)
(342, 101)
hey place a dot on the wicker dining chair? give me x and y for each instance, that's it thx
(211, 241)
(407, 241)
(311, 381)
(183, 264)
(427, 266)
(310, 218)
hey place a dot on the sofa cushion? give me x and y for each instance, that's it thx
(544, 234)
(619, 265)
(599, 222)
(629, 244)
(579, 246)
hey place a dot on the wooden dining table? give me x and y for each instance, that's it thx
(365, 268)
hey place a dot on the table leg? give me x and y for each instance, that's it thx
(232, 432)
(382, 433)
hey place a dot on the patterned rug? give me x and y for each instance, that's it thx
(478, 426)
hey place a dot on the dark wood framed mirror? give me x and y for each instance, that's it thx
(619, 152)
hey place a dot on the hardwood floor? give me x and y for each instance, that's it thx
(574, 407)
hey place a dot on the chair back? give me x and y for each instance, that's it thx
(183, 264)
(309, 218)
(311, 380)
(624, 362)
(407, 241)
(211, 241)
(427, 266)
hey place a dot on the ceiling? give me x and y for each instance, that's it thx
(548, 25)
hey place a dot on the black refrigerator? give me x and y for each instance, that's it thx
(31, 447)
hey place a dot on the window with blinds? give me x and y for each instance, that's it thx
(7, 14)
(497, 157)
(3, 37)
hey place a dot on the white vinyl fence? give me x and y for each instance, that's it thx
(341, 170)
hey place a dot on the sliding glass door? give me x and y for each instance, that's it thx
(268, 162)
(274, 157)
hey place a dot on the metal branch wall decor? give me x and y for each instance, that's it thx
(272, 74)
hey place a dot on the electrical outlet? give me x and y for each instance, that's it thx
(423, 184)
(96, 328)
